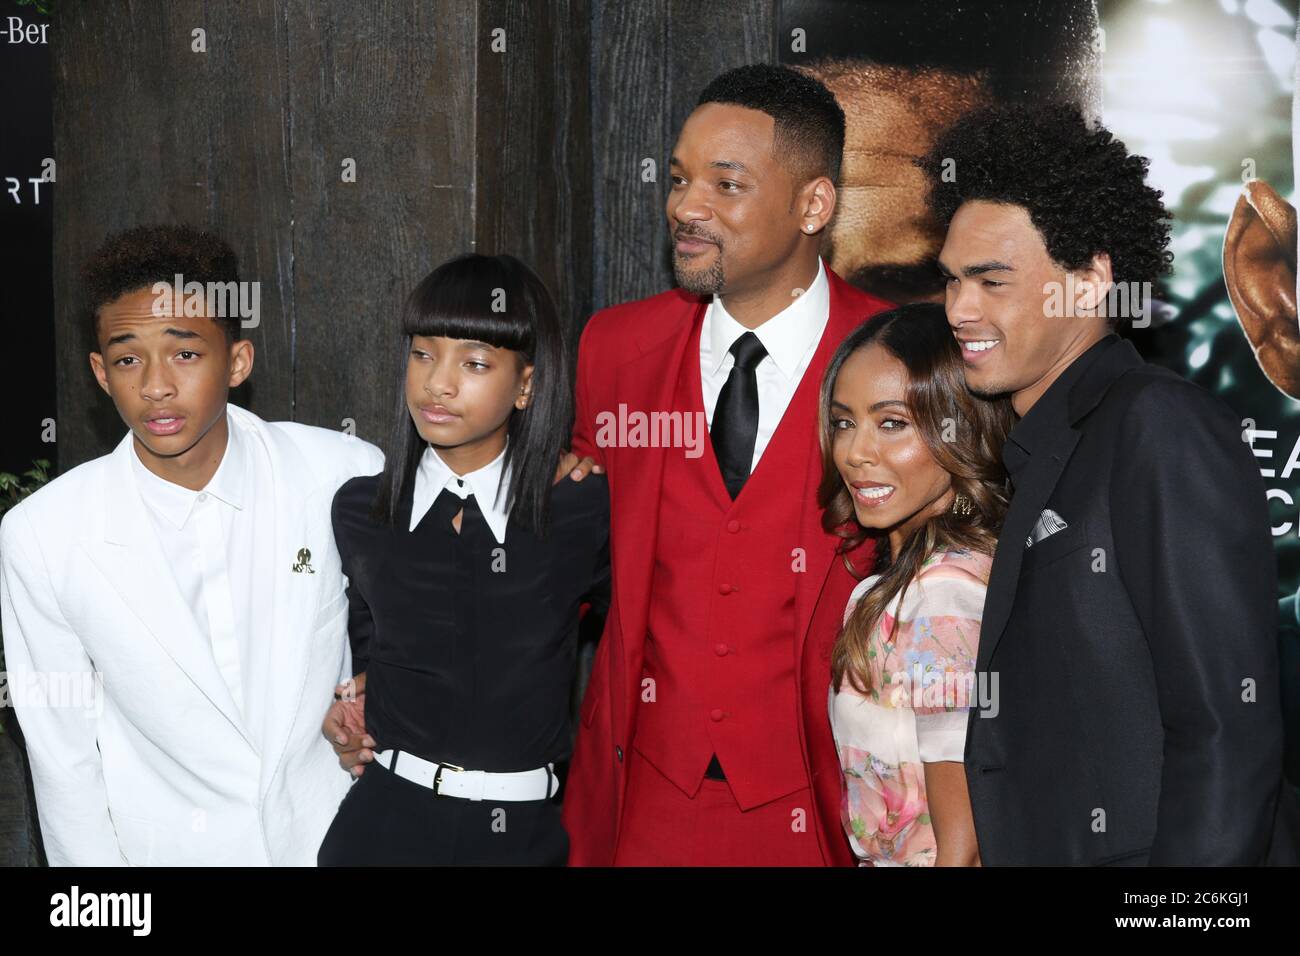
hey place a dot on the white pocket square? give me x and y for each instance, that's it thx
(1048, 523)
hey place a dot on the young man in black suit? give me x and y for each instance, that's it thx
(1129, 634)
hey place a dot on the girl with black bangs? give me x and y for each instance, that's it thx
(466, 570)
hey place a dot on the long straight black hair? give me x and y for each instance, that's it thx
(500, 301)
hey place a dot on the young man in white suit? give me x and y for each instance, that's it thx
(187, 587)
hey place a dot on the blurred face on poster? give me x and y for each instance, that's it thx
(882, 239)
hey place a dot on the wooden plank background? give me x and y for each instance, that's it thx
(649, 62)
(536, 151)
(534, 157)
(147, 131)
(391, 86)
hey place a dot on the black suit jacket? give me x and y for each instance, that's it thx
(1124, 644)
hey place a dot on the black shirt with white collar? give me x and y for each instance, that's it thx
(468, 643)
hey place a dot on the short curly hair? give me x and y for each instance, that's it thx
(135, 259)
(809, 134)
(1083, 190)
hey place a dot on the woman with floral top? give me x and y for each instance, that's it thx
(913, 459)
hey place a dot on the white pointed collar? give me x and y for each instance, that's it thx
(433, 477)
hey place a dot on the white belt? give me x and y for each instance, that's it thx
(448, 780)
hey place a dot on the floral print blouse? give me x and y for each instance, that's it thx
(922, 661)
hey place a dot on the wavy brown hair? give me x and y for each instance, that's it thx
(963, 432)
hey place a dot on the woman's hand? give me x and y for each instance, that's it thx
(345, 726)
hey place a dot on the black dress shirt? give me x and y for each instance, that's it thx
(1050, 415)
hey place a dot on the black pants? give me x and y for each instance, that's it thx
(386, 820)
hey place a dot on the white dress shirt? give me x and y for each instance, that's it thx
(790, 337)
(433, 477)
(208, 539)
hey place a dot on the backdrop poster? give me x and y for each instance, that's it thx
(1204, 90)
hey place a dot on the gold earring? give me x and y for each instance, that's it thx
(961, 505)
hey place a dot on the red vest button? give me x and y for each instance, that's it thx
(720, 650)
(724, 588)
(715, 715)
(733, 525)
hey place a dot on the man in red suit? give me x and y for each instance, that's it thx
(704, 735)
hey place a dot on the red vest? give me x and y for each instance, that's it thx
(641, 355)
(718, 675)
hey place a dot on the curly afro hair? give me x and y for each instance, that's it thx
(1083, 190)
(809, 130)
(136, 258)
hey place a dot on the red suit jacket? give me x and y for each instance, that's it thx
(629, 355)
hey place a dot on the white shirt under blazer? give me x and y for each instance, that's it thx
(164, 770)
(790, 338)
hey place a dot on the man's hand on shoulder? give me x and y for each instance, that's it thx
(576, 468)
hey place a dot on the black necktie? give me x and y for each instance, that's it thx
(735, 419)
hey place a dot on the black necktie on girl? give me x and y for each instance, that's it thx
(735, 418)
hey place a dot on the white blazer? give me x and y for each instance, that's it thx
(149, 762)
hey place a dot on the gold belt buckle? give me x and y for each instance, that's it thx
(437, 776)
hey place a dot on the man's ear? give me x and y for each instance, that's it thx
(1259, 269)
(97, 367)
(1092, 283)
(816, 205)
(241, 362)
